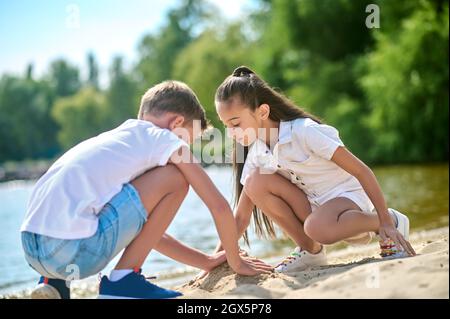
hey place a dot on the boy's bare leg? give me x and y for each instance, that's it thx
(162, 190)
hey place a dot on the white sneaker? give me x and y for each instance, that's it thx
(401, 222)
(300, 260)
(44, 291)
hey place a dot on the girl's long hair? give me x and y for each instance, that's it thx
(245, 84)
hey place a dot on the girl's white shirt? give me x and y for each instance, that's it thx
(303, 156)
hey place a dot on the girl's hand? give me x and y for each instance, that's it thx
(252, 266)
(389, 231)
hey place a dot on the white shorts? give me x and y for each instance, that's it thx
(359, 197)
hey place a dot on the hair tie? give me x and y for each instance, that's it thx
(242, 71)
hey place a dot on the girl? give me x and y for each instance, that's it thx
(321, 193)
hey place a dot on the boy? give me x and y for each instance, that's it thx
(120, 190)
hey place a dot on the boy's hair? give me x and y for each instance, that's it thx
(173, 96)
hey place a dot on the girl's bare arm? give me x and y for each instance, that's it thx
(354, 166)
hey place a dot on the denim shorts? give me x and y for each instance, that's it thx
(120, 221)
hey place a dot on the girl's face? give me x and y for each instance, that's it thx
(242, 123)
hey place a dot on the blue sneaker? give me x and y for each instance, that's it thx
(133, 286)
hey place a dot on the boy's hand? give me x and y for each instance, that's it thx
(252, 266)
(215, 260)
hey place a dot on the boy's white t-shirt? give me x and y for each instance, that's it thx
(66, 200)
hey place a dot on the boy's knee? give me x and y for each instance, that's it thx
(176, 178)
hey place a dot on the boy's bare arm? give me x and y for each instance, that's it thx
(220, 211)
(243, 214)
(213, 199)
(182, 253)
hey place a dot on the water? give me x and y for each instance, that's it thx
(420, 191)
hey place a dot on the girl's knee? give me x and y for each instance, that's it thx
(255, 185)
(318, 230)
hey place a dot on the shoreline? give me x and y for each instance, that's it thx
(353, 272)
(30, 170)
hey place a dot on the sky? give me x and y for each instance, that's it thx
(38, 32)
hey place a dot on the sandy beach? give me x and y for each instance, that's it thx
(353, 272)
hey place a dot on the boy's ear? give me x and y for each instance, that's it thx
(264, 111)
(177, 121)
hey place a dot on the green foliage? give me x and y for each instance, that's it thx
(80, 116)
(122, 96)
(92, 71)
(158, 52)
(26, 128)
(386, 89)
(207, 61)
(407, 87)
(64, 78)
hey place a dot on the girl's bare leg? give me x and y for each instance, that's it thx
(284, 203)
(162, 190)
(339, 219)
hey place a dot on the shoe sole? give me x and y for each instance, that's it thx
(400, 254)
(325, 263)
(113, 297)
(43, 291)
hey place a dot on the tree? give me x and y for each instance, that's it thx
(121, 96)
(407, 87)
(92, 71)
(64, 78)
(80, 116)
(158, 52)
(207, 61)
(312, 51)
(26, 128)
